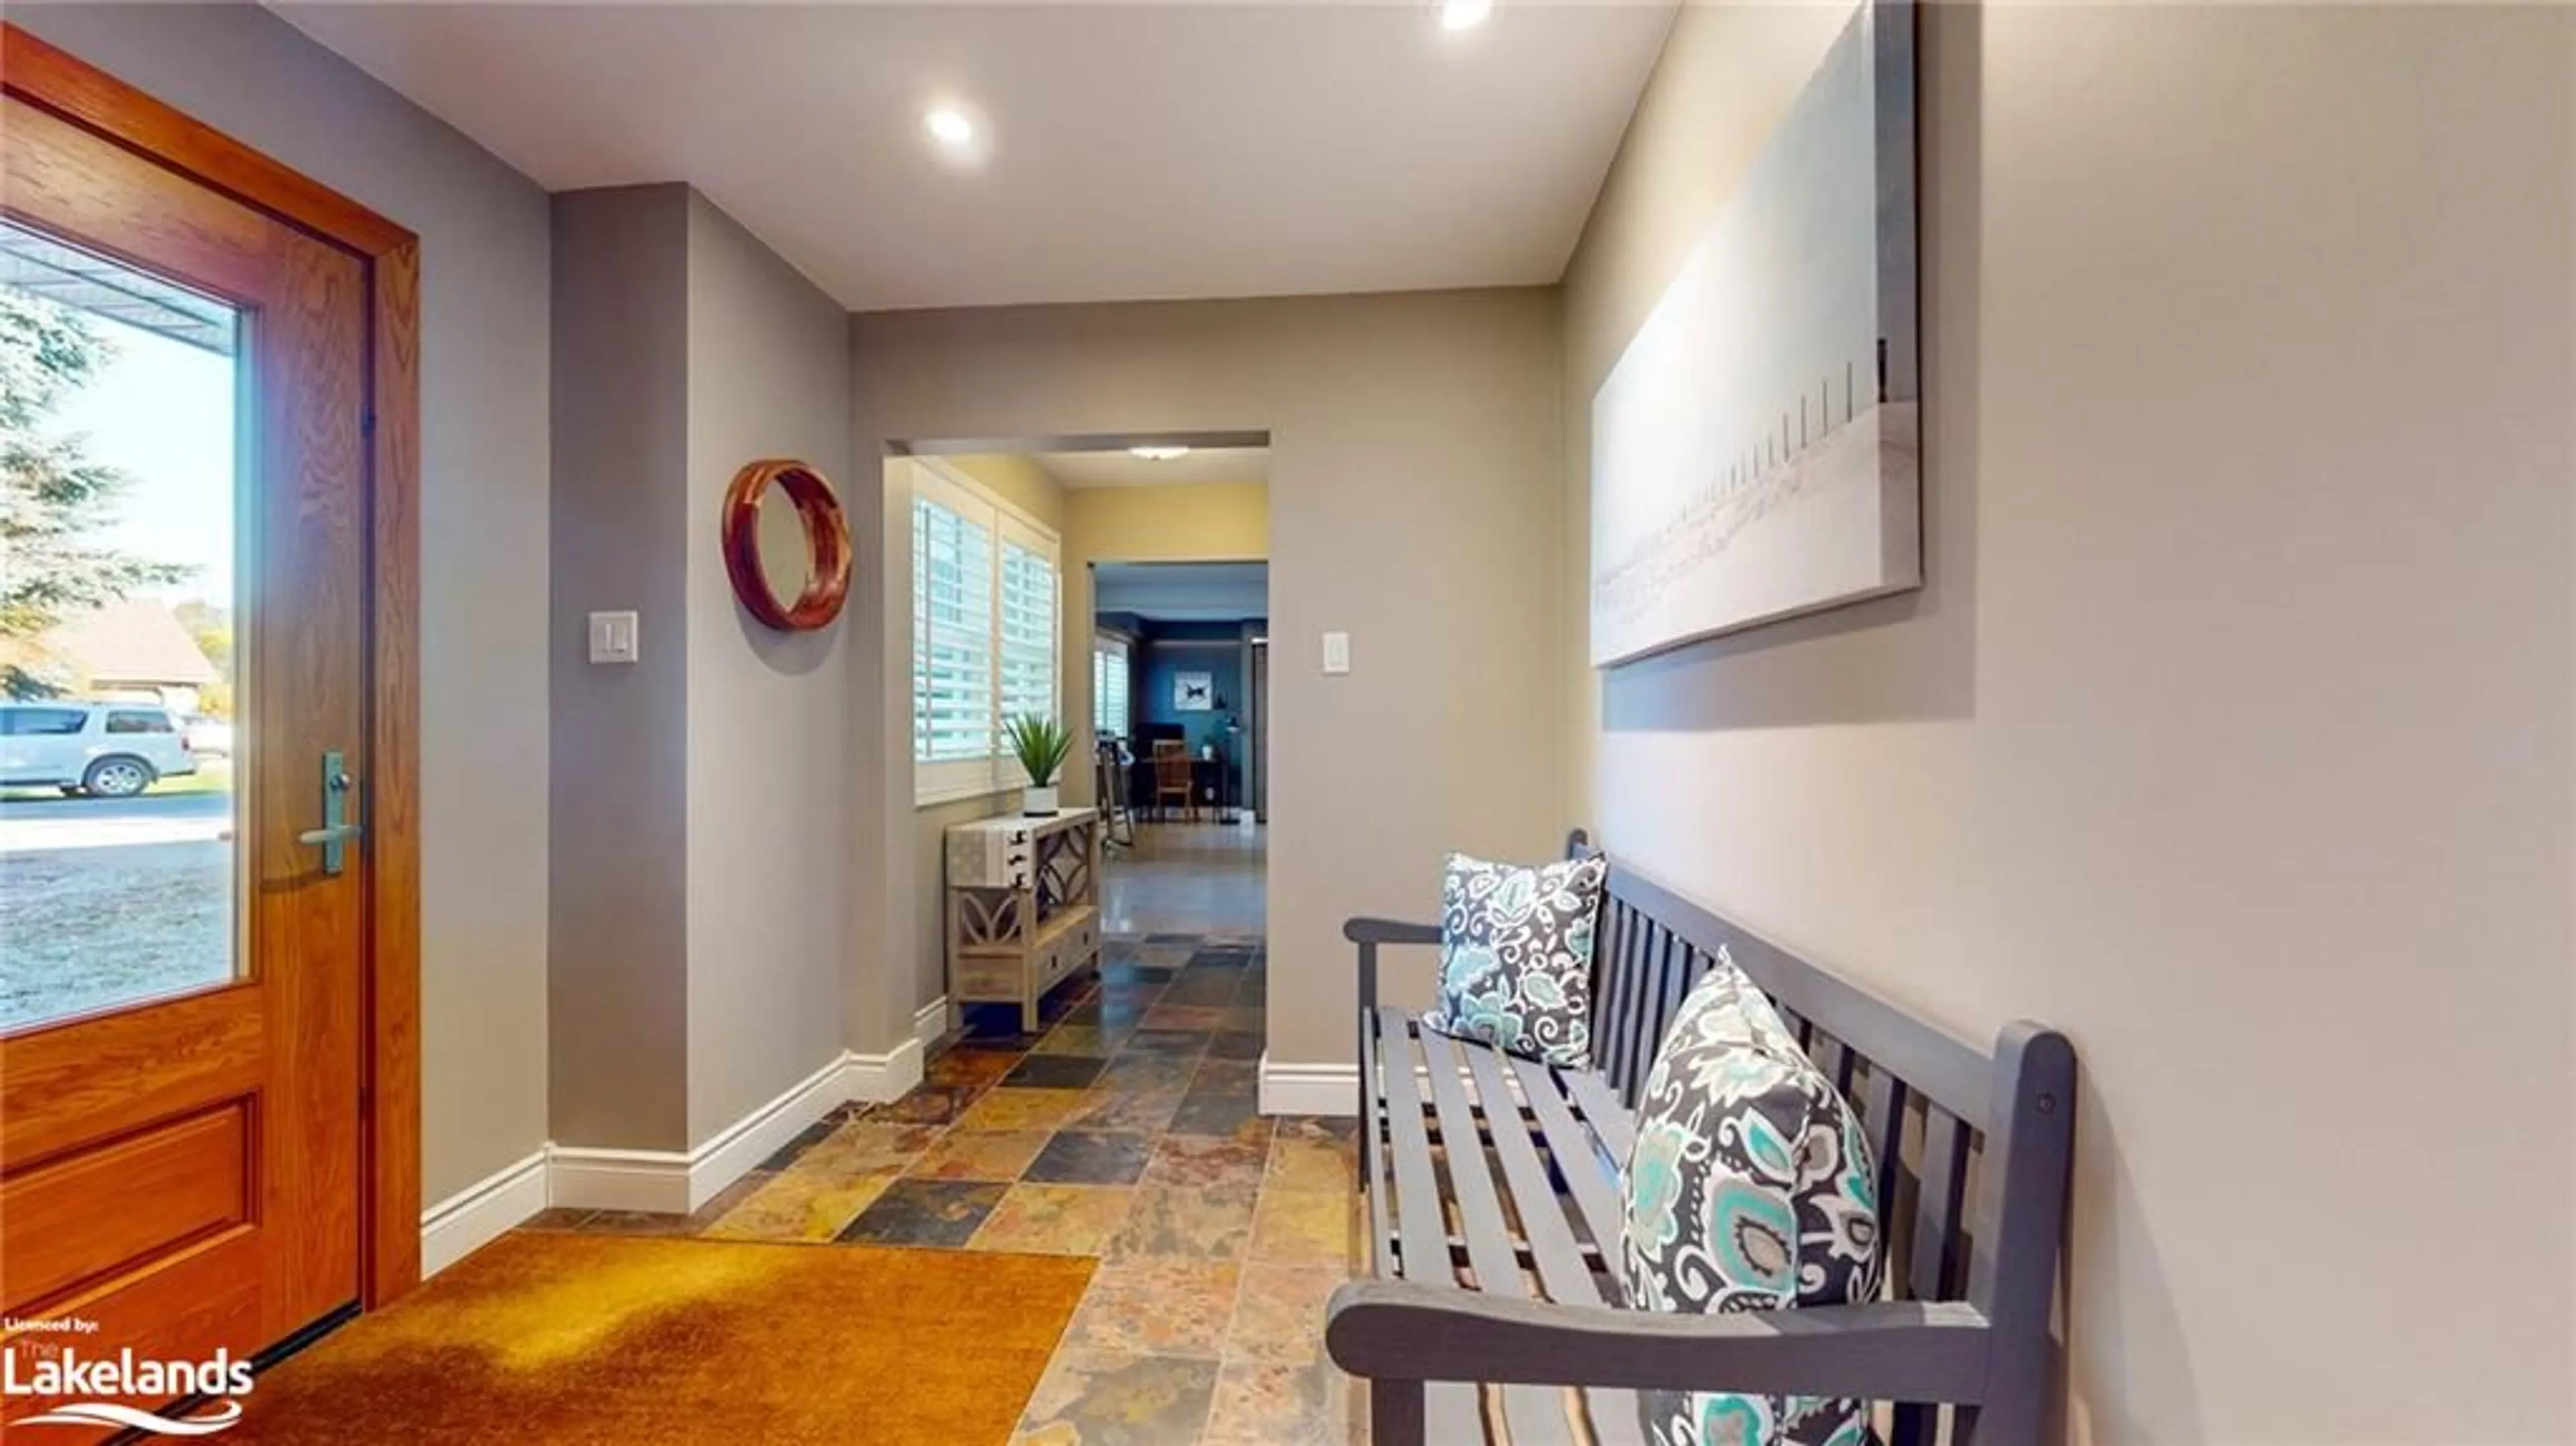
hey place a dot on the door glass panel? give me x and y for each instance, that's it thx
(119, 705)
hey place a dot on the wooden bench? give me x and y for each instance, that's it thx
(1494, 1205)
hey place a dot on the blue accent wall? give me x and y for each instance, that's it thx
(1176, 648)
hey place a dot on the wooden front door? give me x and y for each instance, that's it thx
(184, 1011)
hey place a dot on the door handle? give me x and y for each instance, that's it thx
(337, 828)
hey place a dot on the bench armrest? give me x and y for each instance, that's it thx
(1389, 931)
(1883, 1351)
(1369, 933)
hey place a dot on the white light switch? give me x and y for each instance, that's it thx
(612, 637)
(1337, 652)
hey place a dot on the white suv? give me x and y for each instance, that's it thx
(113, 750)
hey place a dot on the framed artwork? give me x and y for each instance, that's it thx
(1754, 450)
(1193, 692)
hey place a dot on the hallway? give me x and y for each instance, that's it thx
(1127, 1130)
(1188, 878)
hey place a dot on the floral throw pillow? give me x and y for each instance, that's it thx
(1750, 1187)
(1516, 956)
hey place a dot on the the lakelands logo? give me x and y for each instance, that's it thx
(36, 1362)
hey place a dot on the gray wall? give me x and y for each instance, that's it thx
(2232, 733)
(768, 811)
(620, 758)
(484, 811)
(1415, 481)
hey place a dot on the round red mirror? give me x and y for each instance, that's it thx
(785, 536)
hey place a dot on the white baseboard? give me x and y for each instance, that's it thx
(673, 1182)
(1308, 1089)
(667, 1182)
(930, 1021)
(481, 1212)
(585, 1177)
(872, 1078)
(739, 1148)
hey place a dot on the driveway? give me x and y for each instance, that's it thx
(42, 822)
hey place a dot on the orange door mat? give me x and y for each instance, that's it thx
(588, 1340)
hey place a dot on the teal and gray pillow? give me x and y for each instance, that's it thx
(1750, 1187)
(1516, 956)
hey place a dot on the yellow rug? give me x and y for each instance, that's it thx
(588, 1340)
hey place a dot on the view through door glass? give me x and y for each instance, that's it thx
(118, 685)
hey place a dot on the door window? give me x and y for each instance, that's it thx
(118, 394)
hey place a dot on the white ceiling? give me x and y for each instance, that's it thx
(1139, 151)
(1121, 469)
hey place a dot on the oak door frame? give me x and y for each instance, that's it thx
(53, 80)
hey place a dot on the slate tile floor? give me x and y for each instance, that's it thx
(1128, 1130)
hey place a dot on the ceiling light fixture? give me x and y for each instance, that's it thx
(949, 126)
(1159, 454)
(1464, 14)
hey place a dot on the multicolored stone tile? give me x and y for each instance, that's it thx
(1055, 1071)
(1279, 1312)
(1055, 1219)
(1237, 1044)
(865, 1147)
(1079, 1039)
(1108, 1400)
(1005, 1108)
(1091, 1157)
(927, 1104)
(1139, 1109)
(1201, 1019)
(1155, 1305)
(1151, 1071)
(979, 1155)
(1259, 1404)
(798, 1207)
(925, 1212)
(1206, 1222)
(1227, 1076)
(1314, 1227)
(1198, 1163)
(1304, 1157)
(1198, 986)
(806, 1138)
(1215, 1112)
(968, 1068)
(1180, 1043)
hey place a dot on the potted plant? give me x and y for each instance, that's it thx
(1040, 743)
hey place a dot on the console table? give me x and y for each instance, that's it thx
(1023, 906)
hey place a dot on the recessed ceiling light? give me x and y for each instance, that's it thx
(1158, 454)
(949, 126)
(1464, 14)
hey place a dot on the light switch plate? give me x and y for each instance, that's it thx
(1337, 652)
(612, 637)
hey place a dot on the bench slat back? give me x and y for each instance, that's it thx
(1972, 1145)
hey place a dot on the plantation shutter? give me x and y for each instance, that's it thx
(1028, 638)
(1109, 686)
(952, 645)
(985, 593)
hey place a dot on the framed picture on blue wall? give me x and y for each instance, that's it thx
(1193, 692)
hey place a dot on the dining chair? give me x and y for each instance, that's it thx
(1172, 777)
